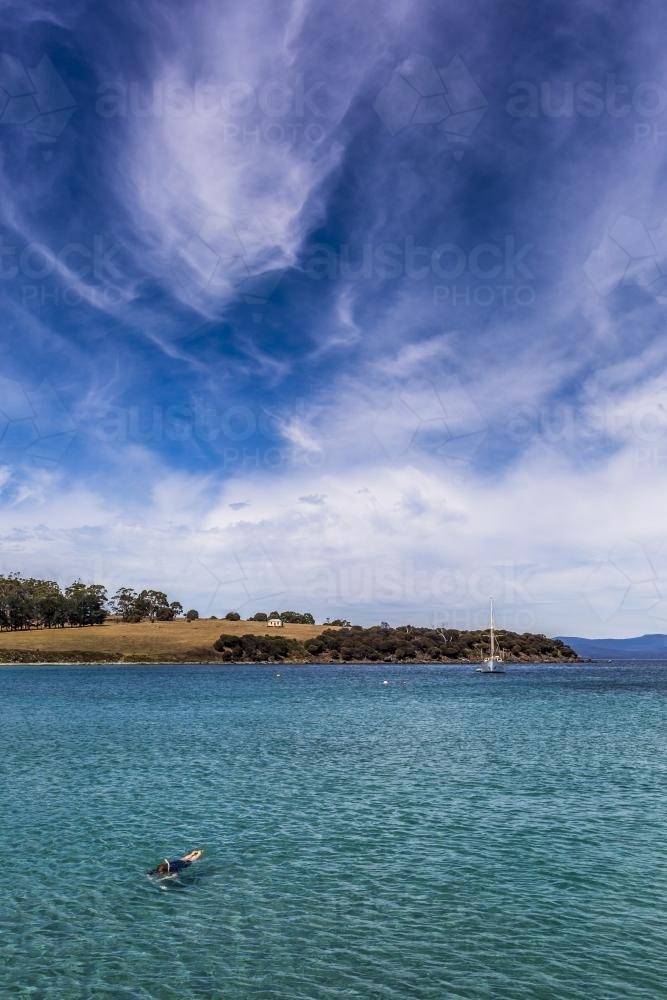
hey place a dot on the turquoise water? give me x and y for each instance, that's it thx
(446, 835)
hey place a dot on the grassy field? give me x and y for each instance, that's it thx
(178, 641)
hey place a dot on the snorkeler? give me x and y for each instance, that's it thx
(171, 868)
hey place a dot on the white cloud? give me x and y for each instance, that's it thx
(395, 540)
(200, 182)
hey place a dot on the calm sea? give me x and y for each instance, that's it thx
(445, 835)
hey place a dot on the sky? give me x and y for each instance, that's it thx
(357, 309)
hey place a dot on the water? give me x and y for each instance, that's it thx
(444, 836)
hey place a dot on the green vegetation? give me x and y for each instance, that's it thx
(30, 603)
(148, 605)
(259, 649)
(27, 603)
(288, 617)
(297, 617)
(391, 645)
(73, 656)
(42, 604)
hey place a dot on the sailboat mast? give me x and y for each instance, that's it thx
(493, 648)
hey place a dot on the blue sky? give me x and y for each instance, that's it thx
(358, 309)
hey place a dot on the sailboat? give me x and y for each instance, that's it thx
(493, 663)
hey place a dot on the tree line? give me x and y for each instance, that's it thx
(31, 603)
(289, 617)
(382, 644)
(27, 603)
(427, 645)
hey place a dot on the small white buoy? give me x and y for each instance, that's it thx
(385, 682)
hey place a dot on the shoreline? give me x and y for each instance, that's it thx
(282, 663)
(206, 641)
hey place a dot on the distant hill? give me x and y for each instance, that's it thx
(641, 647)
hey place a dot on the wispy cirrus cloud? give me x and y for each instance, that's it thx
(449, 391)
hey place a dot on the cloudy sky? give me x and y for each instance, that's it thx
(354, 308)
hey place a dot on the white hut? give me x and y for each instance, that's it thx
(275, 622)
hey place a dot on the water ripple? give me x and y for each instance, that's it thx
(436, 837)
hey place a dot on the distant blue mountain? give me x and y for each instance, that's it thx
(642, 647)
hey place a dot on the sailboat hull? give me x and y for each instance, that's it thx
(492, 664)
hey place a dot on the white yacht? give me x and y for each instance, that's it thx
(493, 663)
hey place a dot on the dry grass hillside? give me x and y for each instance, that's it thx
(159, 641)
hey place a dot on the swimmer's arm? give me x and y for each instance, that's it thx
(192, 856)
